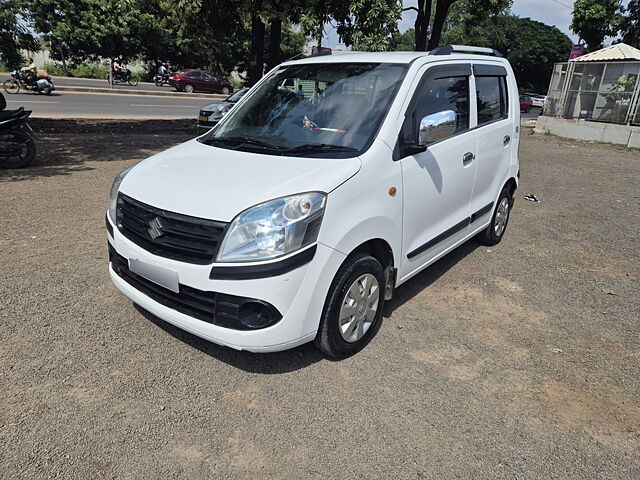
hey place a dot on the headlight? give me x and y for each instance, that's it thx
(274, 228)
(113, 196)
(223, 110)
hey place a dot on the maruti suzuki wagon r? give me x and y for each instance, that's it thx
(334, 180)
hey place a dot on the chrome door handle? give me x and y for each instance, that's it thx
(506, 140)
(468, 157)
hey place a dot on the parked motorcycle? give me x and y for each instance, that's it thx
(123, 76)
(17, 142)
(40, 83)
(161, 79)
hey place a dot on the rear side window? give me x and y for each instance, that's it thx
(450, 93)
(195, 74)
(491, 95)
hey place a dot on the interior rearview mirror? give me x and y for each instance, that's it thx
(436, 126)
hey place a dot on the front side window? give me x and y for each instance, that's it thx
(451, 93)
(329, 109)
(491, 95)
(195, 74)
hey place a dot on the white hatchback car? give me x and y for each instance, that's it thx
(333, 181)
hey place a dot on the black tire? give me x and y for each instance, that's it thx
(329, 339)
(527, 110)
(11, 86)
(133, 80)
(188, 88)
(48, 90)
(158, 82)
(28, 151)
(226, 91)
(492, 234)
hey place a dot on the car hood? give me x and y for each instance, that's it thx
(217, 183)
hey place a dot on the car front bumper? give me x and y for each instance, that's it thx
(298, 295)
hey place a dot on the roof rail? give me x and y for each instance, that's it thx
(449, 49)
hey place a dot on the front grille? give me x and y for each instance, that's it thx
(230, 311)
(206, 113)
(167, 234)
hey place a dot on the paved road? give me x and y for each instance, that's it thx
(94, 105)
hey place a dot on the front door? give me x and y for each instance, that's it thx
(438, 183)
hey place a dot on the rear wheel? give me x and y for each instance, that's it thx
(158, 82)
(188, 88)
(495, 231)
(133, 80)
(353, 310)
(11, 86)
(27, 151)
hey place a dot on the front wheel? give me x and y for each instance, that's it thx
(11, 86)
(226, 90)
(353, 309)
(159, 82)
(133, 80)
(25, 151)
(495, 231)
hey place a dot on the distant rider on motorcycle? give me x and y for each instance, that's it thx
(30, 70)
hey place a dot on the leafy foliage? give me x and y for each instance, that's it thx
(13, 34)
(630, 23)
(594, 20)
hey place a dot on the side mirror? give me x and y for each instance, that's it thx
(436, 126)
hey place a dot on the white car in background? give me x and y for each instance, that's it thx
(538, 100)
(335, 180)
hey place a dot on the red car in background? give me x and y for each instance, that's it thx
(526, 102)
(199, 80)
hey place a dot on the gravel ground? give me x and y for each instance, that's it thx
(517, 361)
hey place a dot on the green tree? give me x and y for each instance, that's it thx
(435, 17)
(13, 33)
(594, 20)
(403, 42)
(630, 23)
(363, 24)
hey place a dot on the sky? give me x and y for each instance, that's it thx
(551, 12)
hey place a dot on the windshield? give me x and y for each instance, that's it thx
(324, 109)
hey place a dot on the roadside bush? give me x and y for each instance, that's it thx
(237, 83)
(83, 70)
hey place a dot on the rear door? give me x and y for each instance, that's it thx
(496, 136)
(195, 78)
(438, 182)
(211, 83)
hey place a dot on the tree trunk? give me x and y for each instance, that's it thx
(275, 37)
(422, 24)
(256, 58)
(442, 10)
(64, 62)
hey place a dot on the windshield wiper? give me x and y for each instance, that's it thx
(239, 141)
(320, 147)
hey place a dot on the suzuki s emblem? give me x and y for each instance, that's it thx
(155, 228)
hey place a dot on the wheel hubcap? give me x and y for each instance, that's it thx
(502, 215)
(359, 308)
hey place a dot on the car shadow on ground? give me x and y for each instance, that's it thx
(263, 363)
(305, 355)
(428, 276)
